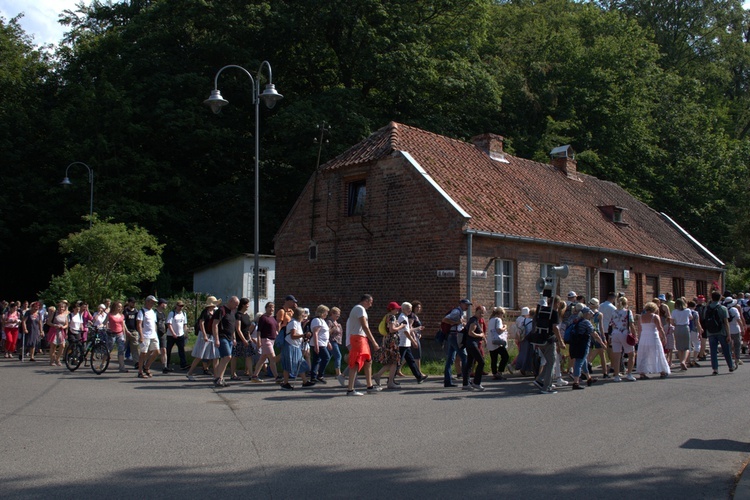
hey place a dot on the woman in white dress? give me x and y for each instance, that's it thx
(651, 342)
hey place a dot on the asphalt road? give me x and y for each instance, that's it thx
(116, 436)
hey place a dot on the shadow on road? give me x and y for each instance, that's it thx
(716, 444)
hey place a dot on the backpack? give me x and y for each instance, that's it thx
(570, 330)
(280, 337)
(714, 323)
(446, 327)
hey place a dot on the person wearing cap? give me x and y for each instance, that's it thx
(579, 346)
(176, 323)
(388, 355)
(457, 319)
(736, 326)
(285, 313)
(130, 313)
(147, 336)
(161, 333)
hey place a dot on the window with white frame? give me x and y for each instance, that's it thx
(504, 283)
(263, 282)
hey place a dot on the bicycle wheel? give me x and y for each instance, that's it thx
(73, 356)
(99, 358)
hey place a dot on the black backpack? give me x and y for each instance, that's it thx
(714, 323)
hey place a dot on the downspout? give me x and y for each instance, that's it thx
(469, 251)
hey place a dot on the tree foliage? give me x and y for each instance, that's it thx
(652, 95)
(107, 260)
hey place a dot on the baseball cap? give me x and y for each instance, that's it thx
(572, 294)
(585, 310)
(291, 297)
(465, 301)
(662, 297)
(701, 297)
(393, 305)
(525, 311)
(151, 297)
(163, 301)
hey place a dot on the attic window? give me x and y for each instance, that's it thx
(356, 198)
(312, 252)
(617, 215)
(614, 213)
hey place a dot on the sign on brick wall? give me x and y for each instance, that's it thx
(446, 273)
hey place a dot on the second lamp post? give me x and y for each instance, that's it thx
(269, 97)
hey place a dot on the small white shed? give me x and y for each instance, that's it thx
(234, 276)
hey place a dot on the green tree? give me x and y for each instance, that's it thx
(107, 260)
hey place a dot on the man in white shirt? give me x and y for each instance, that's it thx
(607, 308)
(148, 339)
(176, 322)
(358, 335)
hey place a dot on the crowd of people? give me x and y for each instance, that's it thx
(558, 339)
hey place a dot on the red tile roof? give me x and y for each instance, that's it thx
(528, 199)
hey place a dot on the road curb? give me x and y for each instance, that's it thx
(742, 488)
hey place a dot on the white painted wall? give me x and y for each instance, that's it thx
(234, 276)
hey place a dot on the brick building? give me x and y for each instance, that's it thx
(411, 215)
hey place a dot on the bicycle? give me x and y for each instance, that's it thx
(76, 353)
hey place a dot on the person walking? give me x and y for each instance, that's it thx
(320, 344)
(176, 335)
(497, 343)
(292, 361)
(268, 327)
(203, 350)
(32, 329)
(681, 316)
(245, 346)
(116, 333)
(622, 324)
(161, 333)
(148, 348)
(598, 348)
(525, 360)
(472, 337)
(224, 328)
(456, 318)
(717, 330)
(583, 333)
(359, 338)
(405, 340)
(547, 338)
(651, 341)
(11, 324)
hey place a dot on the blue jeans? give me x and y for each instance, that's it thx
(451, 349)
(336, 355)
(713, 342)
(319, 361)
(581, 363)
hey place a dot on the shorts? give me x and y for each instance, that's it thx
(225, 348)
(116, 338)
(148, 345)
(163, 341)
(359, 352)
(266, 347)
(242, 351)
(620, 343)
(682, 337)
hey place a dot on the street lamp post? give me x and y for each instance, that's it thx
(269, 97)
(66, 182)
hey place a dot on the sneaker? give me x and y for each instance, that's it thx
(551, 391)
(740, 362)
(309, 383)
(560, 382)
(422, 379)
(256, 380)
(393, 387)
(467, 387)
(353, 393)
(287, 387)
(341, 380)
(695, 364)
(577, 387)
(591, 381)
(321, 380)
(538, 384)
(279, 380)
(190, 378)
(374, 389)
(165, 371)
(630, 378)
(451, 384)
(476, 387)
(616, 378)
(715, 372)
(185, 368)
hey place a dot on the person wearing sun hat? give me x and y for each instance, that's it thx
(204, 348)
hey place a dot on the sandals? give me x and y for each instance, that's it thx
(643, 377)
(235, 377)
(142, 375)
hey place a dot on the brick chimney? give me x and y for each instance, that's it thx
(492, 144)
(564, 159)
